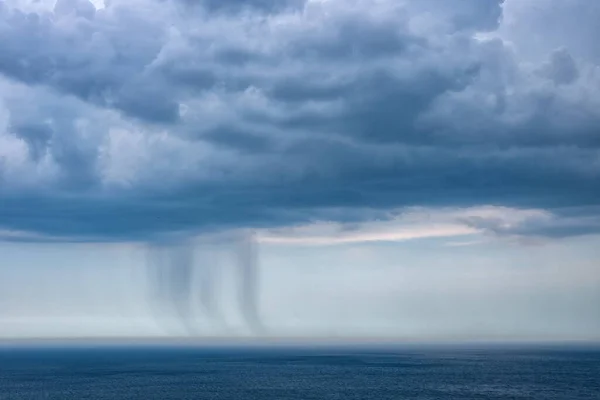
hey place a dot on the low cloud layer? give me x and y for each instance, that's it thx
(131, 119)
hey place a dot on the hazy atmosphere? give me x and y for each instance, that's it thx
(395, 169)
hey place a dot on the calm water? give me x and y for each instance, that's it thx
(193, 373)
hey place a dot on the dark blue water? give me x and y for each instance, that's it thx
(194, 373)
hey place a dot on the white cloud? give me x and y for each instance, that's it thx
(408, 224)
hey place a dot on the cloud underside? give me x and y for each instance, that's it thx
(146, 117)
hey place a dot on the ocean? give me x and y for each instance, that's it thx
(252, 373)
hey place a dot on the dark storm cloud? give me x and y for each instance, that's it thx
(150, 117)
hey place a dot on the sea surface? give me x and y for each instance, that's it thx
(171, 372)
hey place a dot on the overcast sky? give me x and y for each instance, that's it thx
(409, 168)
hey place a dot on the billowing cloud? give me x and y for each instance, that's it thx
(145, 117)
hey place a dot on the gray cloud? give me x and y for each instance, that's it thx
(244, 5)
(147, 117)
(537, 30)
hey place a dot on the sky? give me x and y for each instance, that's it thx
(408, 169)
